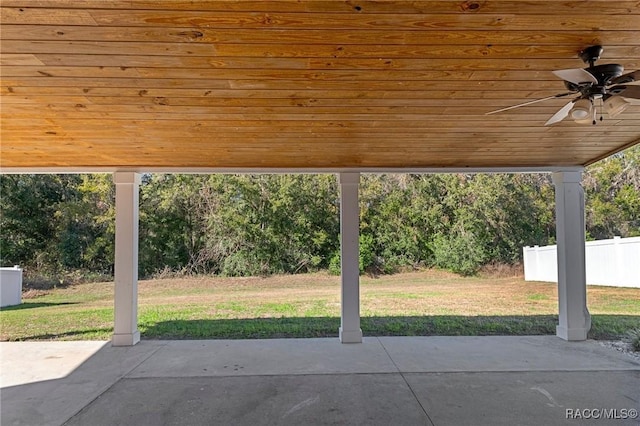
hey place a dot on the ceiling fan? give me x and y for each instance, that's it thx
(597, 82)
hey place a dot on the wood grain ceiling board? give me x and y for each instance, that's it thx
(306, 84)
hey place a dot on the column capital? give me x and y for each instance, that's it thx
(131, 178)
(566, 177)
(349, 178)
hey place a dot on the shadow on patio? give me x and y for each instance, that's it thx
(489, 380)
(603, 326)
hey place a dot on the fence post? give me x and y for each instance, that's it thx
(618, 275)
(536, 252)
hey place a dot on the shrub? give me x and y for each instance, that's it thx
(635, 339)
(334, 264)
(458, 253)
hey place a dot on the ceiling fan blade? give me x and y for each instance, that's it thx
(626, 78)
(632, 92)
(576, 76)
(560, 115)
(530, 103)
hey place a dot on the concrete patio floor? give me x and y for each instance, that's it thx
(530, 380)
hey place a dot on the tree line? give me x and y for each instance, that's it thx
(239, 225)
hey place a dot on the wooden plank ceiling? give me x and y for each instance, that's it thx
(303, 84)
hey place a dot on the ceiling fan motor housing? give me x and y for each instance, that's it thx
(604, 73)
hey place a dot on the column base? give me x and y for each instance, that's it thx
(128, 339)
(572, 334)
(350, 336)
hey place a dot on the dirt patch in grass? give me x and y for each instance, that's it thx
(502, 270)
(33, 293)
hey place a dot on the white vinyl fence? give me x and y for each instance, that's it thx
(10, 286)
(613, 262)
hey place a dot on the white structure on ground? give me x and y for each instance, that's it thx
(10, 286)
(574, 318)
(126, 263)
(350, 331)
(612, 262)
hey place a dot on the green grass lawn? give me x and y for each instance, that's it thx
(419, 303)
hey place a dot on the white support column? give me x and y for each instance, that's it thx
(350, 331)
(126, 259)
(574, 318)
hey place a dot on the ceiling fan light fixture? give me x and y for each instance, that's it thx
(590, 119)
(582, 109)
(615, 105)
